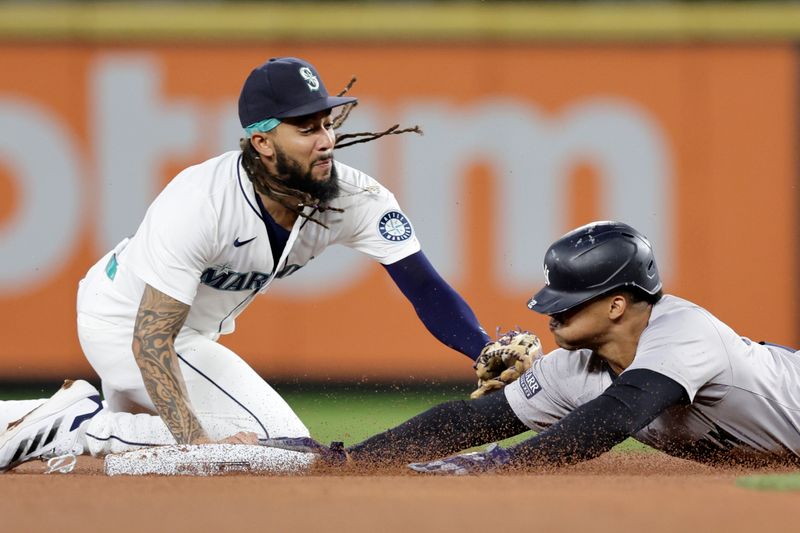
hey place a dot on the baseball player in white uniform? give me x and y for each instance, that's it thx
(632, 362)
(150, 311)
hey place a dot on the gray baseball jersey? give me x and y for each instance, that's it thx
(745, 397)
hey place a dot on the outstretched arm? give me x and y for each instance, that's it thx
(442, 430)
(158, 322)
(630, 403)
(443, 311)
(634, 400)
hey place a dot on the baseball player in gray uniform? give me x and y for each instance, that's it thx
(150, 312)
(632, 362)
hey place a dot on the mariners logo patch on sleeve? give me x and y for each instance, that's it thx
(394, 226)
(529, 384)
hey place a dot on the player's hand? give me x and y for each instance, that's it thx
(504, 360)
(333, 454)
(469, 463)
(243, 437)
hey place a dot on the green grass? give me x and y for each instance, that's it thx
(351, 413)
(770, 482)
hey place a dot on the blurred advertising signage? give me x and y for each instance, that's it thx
(521, 144)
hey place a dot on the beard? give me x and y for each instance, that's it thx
(291, 174)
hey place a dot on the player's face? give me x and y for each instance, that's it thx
(304, 156)
(584, 326)
(308, 141)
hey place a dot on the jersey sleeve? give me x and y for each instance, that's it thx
(174, 242)
(382, 231)
(685, 347)
(552, 388)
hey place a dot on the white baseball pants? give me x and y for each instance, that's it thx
(227, 395)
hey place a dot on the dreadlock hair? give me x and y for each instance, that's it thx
(275, 189)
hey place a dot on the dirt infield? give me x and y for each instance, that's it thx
(618, 492)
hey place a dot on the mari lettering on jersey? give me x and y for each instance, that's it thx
(224, 279)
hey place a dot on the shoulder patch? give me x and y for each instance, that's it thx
(394, 226)
(529, 384)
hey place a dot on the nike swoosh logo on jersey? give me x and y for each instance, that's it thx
(237, 243)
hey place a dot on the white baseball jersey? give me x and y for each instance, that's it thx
(204, 242)
(745, 397)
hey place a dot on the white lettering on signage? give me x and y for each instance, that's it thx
(531, 155)
(134, 130)
(40, 153)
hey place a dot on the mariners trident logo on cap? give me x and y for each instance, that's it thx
(283, 87)
(311, 80)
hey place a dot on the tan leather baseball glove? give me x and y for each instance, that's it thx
(504, 360)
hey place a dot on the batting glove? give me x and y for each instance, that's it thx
(469, 463)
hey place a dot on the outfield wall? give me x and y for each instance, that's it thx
(690, 137)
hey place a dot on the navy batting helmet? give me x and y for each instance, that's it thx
(592, 260)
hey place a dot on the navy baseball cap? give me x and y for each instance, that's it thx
(284, 87)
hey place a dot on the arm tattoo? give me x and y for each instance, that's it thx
(158, 322)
